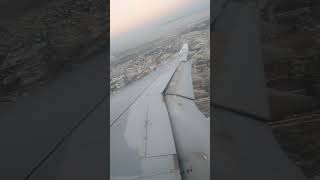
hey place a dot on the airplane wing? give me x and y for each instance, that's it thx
(152, 123)
(243, 144)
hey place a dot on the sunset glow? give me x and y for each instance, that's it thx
(130, 14)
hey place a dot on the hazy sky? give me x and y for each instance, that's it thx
(134, 22)
(128, 15)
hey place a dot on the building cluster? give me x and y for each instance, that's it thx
(140, 65)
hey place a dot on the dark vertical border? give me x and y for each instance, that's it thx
(211, 84)
(107, 78)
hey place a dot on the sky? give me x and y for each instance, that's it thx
(132, 15)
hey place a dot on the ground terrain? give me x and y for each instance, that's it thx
(138, 62)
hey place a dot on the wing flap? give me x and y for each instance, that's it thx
(159, 134)
(181, 82)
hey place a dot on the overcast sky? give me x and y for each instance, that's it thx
(131, 16)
